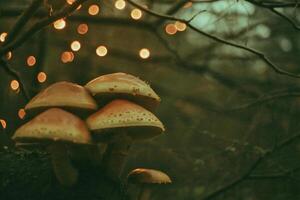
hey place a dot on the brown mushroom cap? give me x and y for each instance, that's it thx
(123, 86)
(148, 176)
(131, 118)
(66, 95)
(54, 125)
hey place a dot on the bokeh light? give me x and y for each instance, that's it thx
(31, 61)
(136, 14)
(67, 56)
(82, 29)
(120, 4)
(42, 77)
(14, 84)
(70, 2)
(94, 9)
(171, 29)
(144, 53)
(59, 24)
(101, 51)
(3, 36)
(21, 113)
(75, 45)
(3, 123)
(9, 55)
(180, 26)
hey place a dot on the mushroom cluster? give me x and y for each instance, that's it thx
(65, 116)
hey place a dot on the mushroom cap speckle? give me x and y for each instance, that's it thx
(54, 125)
(123, 86)
(66, 95)
(148, 176)
(127, 116)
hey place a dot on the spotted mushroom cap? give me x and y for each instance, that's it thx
(148, 176)
(123, 86)
(66, 95)
(54, 125)
(131, 118)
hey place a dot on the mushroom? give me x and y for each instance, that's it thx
(56, 128)
(145, 178)
(120, 123)
(123, 86)
(66, 95)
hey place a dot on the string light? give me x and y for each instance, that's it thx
(180, 26)
(75, 45)
(9, 55)
(101, 51)
(93, 9)
(31, 61)
(82, 29)
(70, 2)
(21, 113)
(171, 29)
(67, 56)
(14, 84)
(59, 24)
(3, 36)
(144, 53)
(120, 4)
(3, 123)
(42, 77)
(136, 14)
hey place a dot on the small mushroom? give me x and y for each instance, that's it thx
(123, 86)
(56, 129)
(66, 95)
(120, 123)
(145, 178)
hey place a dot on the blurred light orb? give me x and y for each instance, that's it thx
(144, 53)
(59, 24)
(42, 77)
(75, 45)
(136, 14)
(82, 29)
(180, 26)
(101, 51)
(171, 29)
(3, 123)
(31, 61)
(94, 9)
(9, 55)
(21, 113)
(14, 84)
(67, 56)
(120, 4)
(70, 2)
(3, 36)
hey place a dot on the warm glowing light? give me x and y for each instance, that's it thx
(144, 53)
(31, 61)
(21, 113)
(136, 14)
(120, 4)
(42, 77)
(59, 24)
(3, 123)
(180, 26)
(171, 29)
(101, 51)
(82, 29)
(94, 9)
(75, 45)
(67, 56)
(70, 2)
(14, 84)
(3, 36)
(9, 55)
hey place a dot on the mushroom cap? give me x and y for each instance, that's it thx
(129, 117)
(66, 95)
(148, 176)
(123, 86)
(54, 125)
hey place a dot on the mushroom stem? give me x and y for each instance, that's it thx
(65, 172)
(145, 193)
(115, 156)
